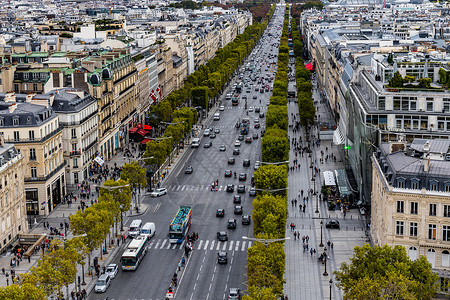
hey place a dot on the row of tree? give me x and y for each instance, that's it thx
(266, 260)
(306, 107)
(91, 228)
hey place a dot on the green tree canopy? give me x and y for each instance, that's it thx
(275, 145)
(269, 215)
(385, 272)
(277, 115)
(396, 80)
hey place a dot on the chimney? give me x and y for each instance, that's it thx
(10, 97)
(29, 97)
(426, 164)
(12, 108)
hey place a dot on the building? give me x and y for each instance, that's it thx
(113, 84)
(411, 200)
(12, 195)
(34, 129)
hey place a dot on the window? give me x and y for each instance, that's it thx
(75, 162)
(433, 185)
(399, 228)
(35, 87)
(31, 135)
(414, 208)
(32, 154)
(33, 172)
(74, 147)
(412, 253)
(16, 121)
(431, 231)
(447, 211)
(401, 183)
(445, 258)
(447, 187)
(415, 184)
(74, 133)
(430, 104)
(432, 209)
(381, 103)
(446, 105)
(2, 122)
(446, 233)
(431, 257)
(413, 229)
(400, 206)
(16, 136)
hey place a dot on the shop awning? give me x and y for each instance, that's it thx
(142, 132)
(145, 141)
(329, 178)
(147, 127)
(133, 130)
(309, 66)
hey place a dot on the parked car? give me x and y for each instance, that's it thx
(159, 192)
(103, 283)
(112, 270)
(252, 192)
(333, 224)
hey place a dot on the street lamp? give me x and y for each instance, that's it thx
(321, 234)
(265, 242)
(331, 283)
(325, 260)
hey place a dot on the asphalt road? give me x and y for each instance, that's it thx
(203, 278)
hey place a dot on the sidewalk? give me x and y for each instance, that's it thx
(62, 214)
(303, 273)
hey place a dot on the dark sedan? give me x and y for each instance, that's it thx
(220, 213)
(333, 224)
(231, 161)
(241, 188)
(242, 177)
(188, 170)
(230, 188)
(228, 173)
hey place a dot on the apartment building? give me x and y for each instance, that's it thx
(33, 127)
(411, 201)
(78, 115)
(112, 83)
(12, 195)
(165, 68)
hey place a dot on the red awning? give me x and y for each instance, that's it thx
(147, 127)
(145, 141)
(142, 132)
(309, 66)
(133, 130)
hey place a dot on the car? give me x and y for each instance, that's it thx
(250, 109)
(212, 136)
(256, 120)
(222, 257)
(230, 188)
(159, 192)
(256, 166)
(228, 173)
(261, 115)
(248, 140)
(236, 151)
(231, 161)
(257, 125)
(237, 199)
(207, 145)
(222, 236)
(238, 209)
(246, 220)
(188, 170)
(252, 192)
(246, 162)
(333, 224)
(254, 97)
(234, 293)
(244, 131)
(237, 144)
(207, 132)
(222, 148)
(221, 108)
(240, 137)
(255, 136)
(241, 188)
(242, 177)
(112, 270)
(217, 130)
(102, 284)
(231, 223)
(220, 213)
(257, 109)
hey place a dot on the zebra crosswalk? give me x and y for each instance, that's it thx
(208, 245)
(198, 188)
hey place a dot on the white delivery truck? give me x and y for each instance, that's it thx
(148, 230)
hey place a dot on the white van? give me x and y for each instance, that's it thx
(216, 117)
(135, 228)
(148, 230)
(195, 143)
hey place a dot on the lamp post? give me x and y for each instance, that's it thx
(325, 260)
(321, 233)
(331, 283)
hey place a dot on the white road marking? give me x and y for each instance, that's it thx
(164, 242)
(183, 187)
(212, 245)
(243, 245)
(200, 244)
(157, 243)
(237, 246)
(178, 187)
(218, 246)
(206, 245)
(231, 246)
(224, 246)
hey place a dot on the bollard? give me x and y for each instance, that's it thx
(303, 226)
(346, 228)
(354, 228)
(351, 217)
(362, 228)
(309, 226)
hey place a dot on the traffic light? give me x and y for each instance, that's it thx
(347, 147)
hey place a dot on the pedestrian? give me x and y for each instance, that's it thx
(295, 235)
(295, 202)
(332, 246)
(29, 258)
(328, 243)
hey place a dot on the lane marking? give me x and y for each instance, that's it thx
(200, 244)
(206, 245)
(224, 246)
(243, 245)
(237, 246)
(231, 246)
(162, 245)
(212, 245)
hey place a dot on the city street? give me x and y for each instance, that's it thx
(203, 278)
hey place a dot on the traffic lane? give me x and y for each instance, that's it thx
(139, 284)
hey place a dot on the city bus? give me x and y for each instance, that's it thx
(180, 225)
(135, 252)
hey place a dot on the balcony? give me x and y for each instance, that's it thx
(34, 140)
(105, 106)
(108, 116)
(124, 77)
(65, 124)
(75, 153)
(88, 147)
(45, 178)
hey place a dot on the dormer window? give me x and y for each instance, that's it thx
(433, 185)
(2, 122)
(401, 183)
(28, 120)
(415, 183)
(15, 121)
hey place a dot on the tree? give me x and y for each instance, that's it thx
(425, 83)
(120, 195)
(200, 96)
(22, 291)
(260, 293)
(386, 272)
(396, 80)
(269, 211)
(271, 177)
(158, 150)
(390, 58)
(275, 145)
(277, 115)
(135, 175)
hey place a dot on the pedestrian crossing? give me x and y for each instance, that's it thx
(207, 245)
(194, 188)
